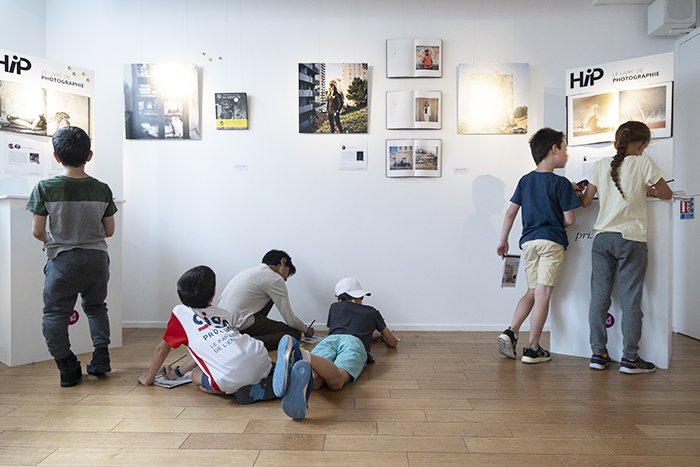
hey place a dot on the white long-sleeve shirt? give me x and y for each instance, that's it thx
(250, 290)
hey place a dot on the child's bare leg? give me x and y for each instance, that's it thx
(197, 380)
(540, 310)
(326, 372)
(522, 310)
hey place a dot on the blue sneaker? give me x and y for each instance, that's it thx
(636, 366)
(599, 361)
(288, 353)
(296, 400)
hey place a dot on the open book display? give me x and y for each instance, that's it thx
(413, 110)
(414, 58)
(413, 157)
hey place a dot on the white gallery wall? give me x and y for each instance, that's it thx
(425, 248)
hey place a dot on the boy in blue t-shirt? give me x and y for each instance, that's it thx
(80, 214)
(548, 203)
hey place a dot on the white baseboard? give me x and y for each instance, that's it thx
(145, 324)
(398, 327)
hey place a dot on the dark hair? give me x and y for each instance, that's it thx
(274, 258)
(542, 141)
(72, 146)
(196, 287)
(343, 297)
(628, 132)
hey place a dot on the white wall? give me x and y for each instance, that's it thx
(24, 26)
(687, 167)
(424, 247)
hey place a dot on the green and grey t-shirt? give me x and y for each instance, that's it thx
(75, 207)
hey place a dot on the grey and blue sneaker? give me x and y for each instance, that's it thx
(599, 361)
(636, 366)
(288, 353)
(507, 342)
(296, 400)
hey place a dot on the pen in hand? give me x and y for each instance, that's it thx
(165, 372)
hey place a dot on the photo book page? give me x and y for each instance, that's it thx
(414, 58)
(413, 110)
(413, 158)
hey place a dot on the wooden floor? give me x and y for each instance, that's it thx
(441, 398)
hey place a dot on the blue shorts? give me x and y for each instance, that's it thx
(206, 384)
(345, 351)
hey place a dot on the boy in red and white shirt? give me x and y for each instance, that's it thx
(223, 360)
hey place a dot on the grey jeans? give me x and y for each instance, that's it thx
(613, 255)
(73, 272)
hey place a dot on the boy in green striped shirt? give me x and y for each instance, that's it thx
(80, 212)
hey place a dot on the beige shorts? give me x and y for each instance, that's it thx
(542, 260)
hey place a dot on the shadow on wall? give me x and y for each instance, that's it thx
(479, 236)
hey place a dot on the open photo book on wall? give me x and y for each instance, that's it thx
(413, 157)
(413, 110)
(414, 58)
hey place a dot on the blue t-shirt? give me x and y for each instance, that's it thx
(544, 197)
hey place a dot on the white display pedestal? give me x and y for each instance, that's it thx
(22, 282)
(569, 306)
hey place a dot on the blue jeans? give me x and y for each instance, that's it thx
(73, 272)
(613, 256)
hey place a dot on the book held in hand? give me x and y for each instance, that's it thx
(510, 270)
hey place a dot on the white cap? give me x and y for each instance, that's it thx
(350, 286)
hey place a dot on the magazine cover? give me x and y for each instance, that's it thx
(231, 111)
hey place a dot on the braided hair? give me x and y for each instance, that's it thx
(629, 132)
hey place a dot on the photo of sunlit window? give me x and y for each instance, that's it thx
(161, 101)
(493, 98)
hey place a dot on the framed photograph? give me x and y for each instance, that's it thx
(652, 105)
(22, 108)
(333, 97)
(492, 98)
(161, 101)
(591, 118)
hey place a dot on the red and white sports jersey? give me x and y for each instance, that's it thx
(229, 358)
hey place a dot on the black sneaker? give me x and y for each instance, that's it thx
(599, 361)
(636, 366)
(535, 356)
(507, 342)
(100, 362)
(70, 369)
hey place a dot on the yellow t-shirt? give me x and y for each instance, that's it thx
(627, 215)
